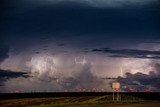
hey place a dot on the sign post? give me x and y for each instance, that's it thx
(116, 88)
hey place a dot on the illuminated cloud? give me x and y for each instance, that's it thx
(141, 81)
(43, 67)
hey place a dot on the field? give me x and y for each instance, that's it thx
(79, 100)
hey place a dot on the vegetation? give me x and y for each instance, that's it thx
(69, 101)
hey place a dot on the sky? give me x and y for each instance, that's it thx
(70, 45)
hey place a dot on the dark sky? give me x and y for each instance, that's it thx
(61, 42)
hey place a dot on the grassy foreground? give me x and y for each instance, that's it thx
(86, 101)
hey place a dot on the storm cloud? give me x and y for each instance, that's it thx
(83, 79)
(5, 75)
(58, 43)
(140, 80)
(82, 20)
(129, 53)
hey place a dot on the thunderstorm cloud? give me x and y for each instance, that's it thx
(56, 45)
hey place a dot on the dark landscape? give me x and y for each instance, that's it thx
(74, 99)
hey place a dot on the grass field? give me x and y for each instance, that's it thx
(80, 101)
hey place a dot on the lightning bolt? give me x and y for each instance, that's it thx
(121, 71)
(80, 62)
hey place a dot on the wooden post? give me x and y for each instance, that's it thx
(113, 95)
(117, 96)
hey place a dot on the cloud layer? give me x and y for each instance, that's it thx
(5, 75)
(130, 53)
(105, 3)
